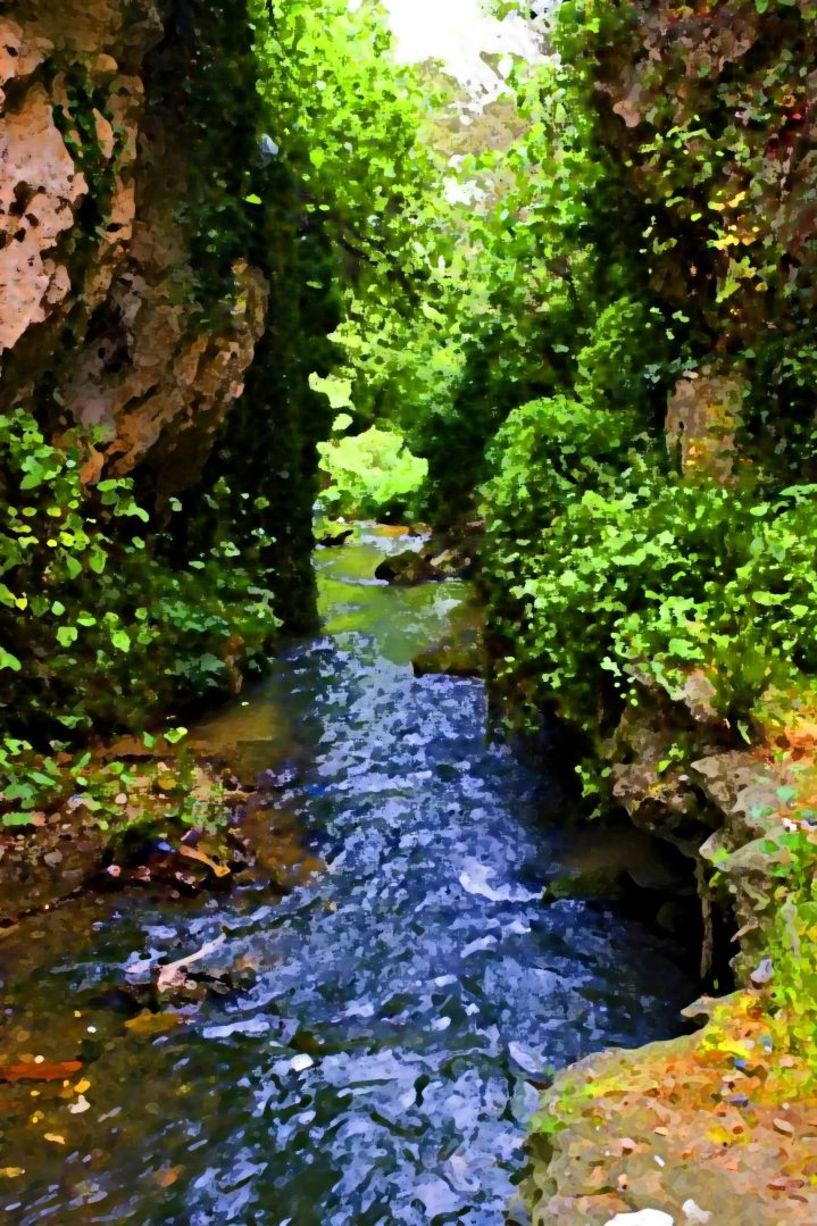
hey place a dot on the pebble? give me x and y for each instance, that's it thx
(695, 1214)
(644, 1217)
(299, 1064)
(762, 974)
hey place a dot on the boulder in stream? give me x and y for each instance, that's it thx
(453, 656)
(430, 564)
(407, 569)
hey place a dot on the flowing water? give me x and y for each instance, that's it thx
(377, 1060)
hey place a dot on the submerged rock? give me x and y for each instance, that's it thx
(457, 656)
(408, 568)
(430, 564)
(334, 540)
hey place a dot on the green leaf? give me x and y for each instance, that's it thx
(768, 599)
(337, 390)
(7, 660)
(15, 819)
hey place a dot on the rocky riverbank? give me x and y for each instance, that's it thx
(719, 1126)
(179, 826)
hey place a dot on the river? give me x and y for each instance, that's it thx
(376, 1060)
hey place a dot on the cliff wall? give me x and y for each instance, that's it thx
(99, 301)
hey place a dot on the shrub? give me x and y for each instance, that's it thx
(656, 575)
(94, 625)
(370, 474)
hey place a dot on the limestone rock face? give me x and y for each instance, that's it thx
(40, 189)
(100, 311)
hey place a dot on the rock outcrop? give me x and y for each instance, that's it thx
(726, 1118)
(710, 1128)
(158, 281)
(101, 306)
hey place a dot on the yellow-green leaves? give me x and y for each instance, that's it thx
(338, 391)
(369, 474)
(9, 660)
(94, 625)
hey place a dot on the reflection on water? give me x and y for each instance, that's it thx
(369, 1057)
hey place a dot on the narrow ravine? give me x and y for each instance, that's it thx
(377, 1056)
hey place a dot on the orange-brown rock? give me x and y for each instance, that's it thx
(713, 1124)
(40, 190)
(98, 295)
(702, 417)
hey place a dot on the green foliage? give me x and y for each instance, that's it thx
(158, 793)
(715, 157)
(653, 250)
(349, 125)
(792, 932)
(200, 94)
(35, 782)
(94, 628)
(345, 118)
(28, 781)
(530, 292)
(370, 474)
(547, 454)
(645, 576)
(337, 196)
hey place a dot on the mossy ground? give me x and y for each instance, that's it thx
(721, 1118)
(727, 1117)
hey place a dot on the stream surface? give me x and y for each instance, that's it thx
(375, 1065)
